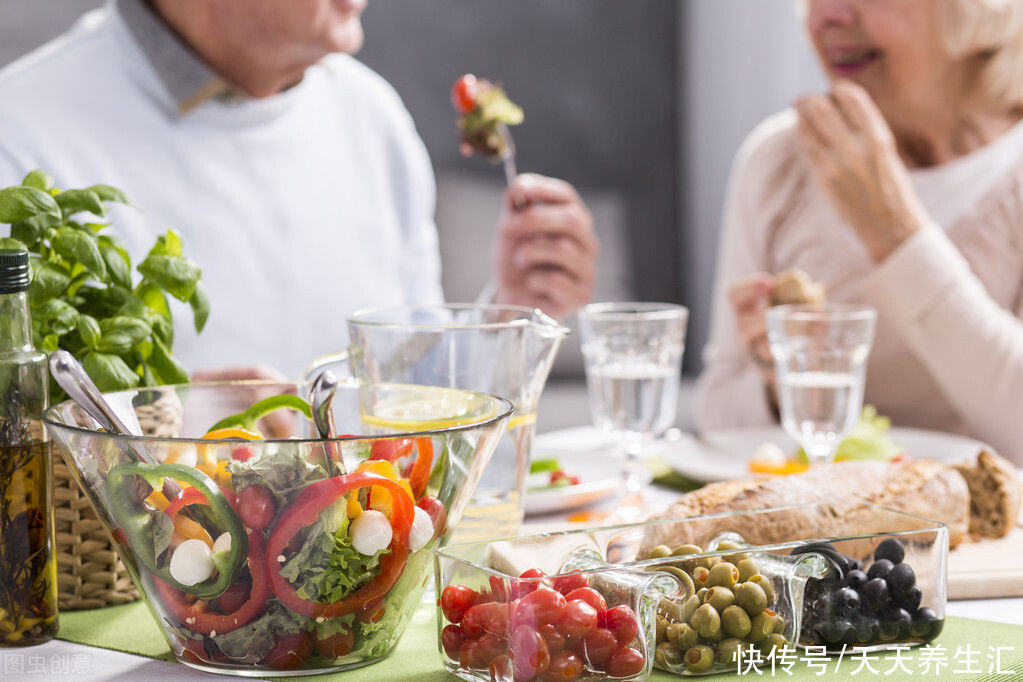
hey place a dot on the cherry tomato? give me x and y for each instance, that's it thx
(336, 645)
(570, 581)
(455, 599)
(491, 617)
(489, 647)
(527, 582)
(552, 634)
(501, 669)
(590, 596)
(530, 656)
(498, 589)
(565, 665)
(391, 449)
(256, 506)
(290, 651)
(622, 622)
(467, 654)
(451, 638)
(463, 93)
(597, 646)
(242, 453)
(579, 619)
(233, 597)
(193, 651)
(540, 606)
(624, 662)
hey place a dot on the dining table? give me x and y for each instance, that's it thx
(982, 639)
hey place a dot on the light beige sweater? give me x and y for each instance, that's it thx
(948, 352)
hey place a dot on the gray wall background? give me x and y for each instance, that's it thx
(640, 104)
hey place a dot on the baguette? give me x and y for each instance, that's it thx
(923, 487)
(994, 495)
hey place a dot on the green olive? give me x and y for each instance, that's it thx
(689, 607)
(671, 610)
(714, 637)
(686, 550)
(719, 597)
(702, 593)
(666, 656)
(772, 642)
(660, 551)
(760, 627)
(662, 629)
(699, 659)
(765, 584)
(747, 569)
(732, 558)
(682, 636)
(735, 621)
(751, 597)
(724, 574)
(706, 621)
(729, 651)
(701, 576)
(779, 623)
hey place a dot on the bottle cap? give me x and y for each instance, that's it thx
(14, 272)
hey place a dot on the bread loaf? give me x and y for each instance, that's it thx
(795, 286)
(925, 488)
(994, 495)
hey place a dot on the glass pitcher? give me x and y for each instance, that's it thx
(498, 349)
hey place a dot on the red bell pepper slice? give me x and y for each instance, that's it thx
(193, 496)
(418, 473)
(302, 513)
(196, 615)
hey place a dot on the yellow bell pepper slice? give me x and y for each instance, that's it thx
(233, 433)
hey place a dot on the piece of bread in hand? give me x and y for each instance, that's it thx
(795, 286)
(994, 494)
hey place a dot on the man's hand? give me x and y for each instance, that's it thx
(853, 155)
(546, 252)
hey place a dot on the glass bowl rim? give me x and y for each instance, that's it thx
(504, 409)
(615, 311)
(528, 316)
(933, 526)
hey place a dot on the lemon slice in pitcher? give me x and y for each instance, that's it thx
(426, 408)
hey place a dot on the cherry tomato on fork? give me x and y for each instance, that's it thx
(463, 93)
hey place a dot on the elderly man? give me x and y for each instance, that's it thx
(293, 172)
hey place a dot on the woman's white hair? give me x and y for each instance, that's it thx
(993, 30)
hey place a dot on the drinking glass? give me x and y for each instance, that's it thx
(633, 357)
(820, 358)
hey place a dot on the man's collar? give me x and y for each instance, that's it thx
(185, 76)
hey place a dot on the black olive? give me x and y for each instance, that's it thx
(875, 595)
(880, 569)
(901, 578)
(835, 631)
(867, 629)
(845, 600)
(888, 631)
(892, 550)
(910, 599)
(855, 579)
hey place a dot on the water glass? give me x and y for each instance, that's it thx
(820, 358)
(633, 357)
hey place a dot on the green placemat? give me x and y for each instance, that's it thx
(131, 628)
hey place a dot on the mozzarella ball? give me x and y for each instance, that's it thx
(191, 562)
(370, 532)
(223, 543)
(422, 530)
(770, 454)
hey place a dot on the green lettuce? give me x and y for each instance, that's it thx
(868, 440)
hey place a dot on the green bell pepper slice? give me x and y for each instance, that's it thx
(247, 418)
(138, 523)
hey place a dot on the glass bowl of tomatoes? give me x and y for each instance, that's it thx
(262, 548)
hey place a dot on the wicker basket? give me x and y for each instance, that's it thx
(89, 572)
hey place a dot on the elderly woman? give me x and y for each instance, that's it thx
(902, 188)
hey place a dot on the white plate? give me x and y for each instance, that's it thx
(599, 471)
(724, 454)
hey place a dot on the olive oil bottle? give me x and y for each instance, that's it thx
(28, 564)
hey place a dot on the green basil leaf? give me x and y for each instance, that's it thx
(21, 203)
(167, 245)
(80, 247)
(74, 201)
(117, 262)
(38, 179)
(133, 328)
(148, 377)
(163, 329)
(163, 362)
(200, 303)
(56, 316)
(108, 193)
(109, 372)
(153, 297)
(48, 280)
(88, 329)
(176, 275)
(11, 243)
(30, 230)
(49, 343)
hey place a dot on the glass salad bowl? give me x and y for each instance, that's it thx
(286, 555)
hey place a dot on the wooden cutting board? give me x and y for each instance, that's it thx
(989, 568)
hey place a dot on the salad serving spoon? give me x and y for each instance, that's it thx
(71, 376)
(321, 398)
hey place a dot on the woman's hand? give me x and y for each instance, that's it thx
(750, 298)
(854, 157)
(546, 252)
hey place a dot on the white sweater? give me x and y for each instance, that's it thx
(300, 208)
(948, 350)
